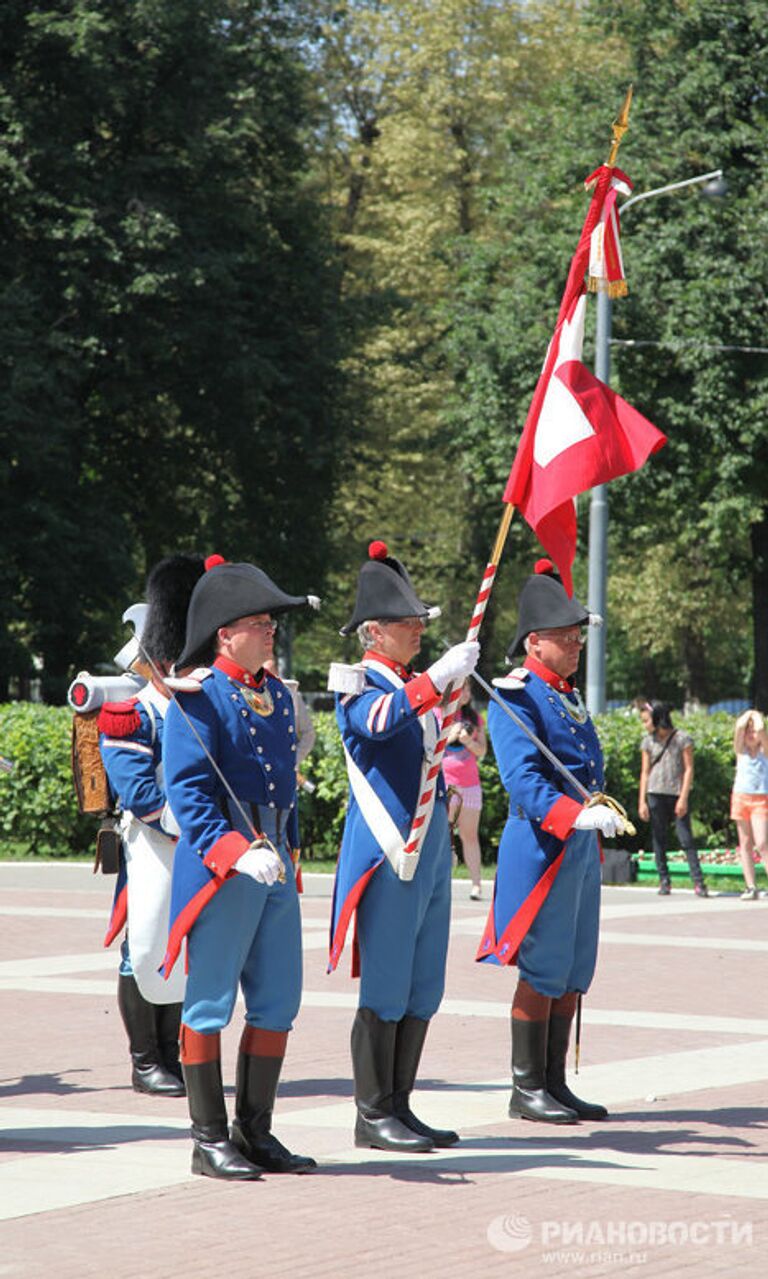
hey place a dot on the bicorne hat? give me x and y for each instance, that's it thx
(544, 604)
(169, 588)
(385, 592)
(224, 593)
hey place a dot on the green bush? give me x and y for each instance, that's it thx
(38, 810)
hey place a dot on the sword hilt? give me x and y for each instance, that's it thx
(626, 825)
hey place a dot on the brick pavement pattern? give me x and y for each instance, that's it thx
(94, 1179)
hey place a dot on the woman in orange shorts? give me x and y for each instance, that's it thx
(749, 799)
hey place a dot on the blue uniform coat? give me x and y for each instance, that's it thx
(542, 804)
(256, 754)
(380, 728)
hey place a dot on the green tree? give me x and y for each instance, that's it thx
(168, 327)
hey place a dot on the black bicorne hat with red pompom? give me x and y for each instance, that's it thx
(224, 593)
(544, 604)
(385, 592)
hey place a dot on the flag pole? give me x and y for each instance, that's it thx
(420, 821)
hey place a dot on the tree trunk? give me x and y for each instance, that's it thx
(759, 539)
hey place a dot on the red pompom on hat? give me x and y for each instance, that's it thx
(213, 560)
(378, 551)
(544, 566)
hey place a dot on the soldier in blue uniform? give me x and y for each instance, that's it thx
(545, 911)
(389, 732)
(230, 766)
(130, 741)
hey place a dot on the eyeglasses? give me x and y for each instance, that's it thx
(268, 626)
(577, 635)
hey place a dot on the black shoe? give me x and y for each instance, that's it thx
(387, 1132)
(156, 1080)
(537, 1104)
(584, 1109)
(269, 1153)
(664, 889)
(223, 1160)
(438, 1136)
(701, 890)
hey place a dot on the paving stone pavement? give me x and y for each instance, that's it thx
(94, 1179)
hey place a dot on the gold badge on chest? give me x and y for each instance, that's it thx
(259, 700)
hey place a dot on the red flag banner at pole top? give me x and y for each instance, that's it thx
(578, 433)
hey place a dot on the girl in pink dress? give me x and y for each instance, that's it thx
(466, 747)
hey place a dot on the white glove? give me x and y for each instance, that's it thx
(454, 665)
(261, 864)
(599, 817)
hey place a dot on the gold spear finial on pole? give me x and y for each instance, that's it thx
(620, 126)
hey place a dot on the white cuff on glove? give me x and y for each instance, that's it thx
(599, 817)
(454, 665)
(262, 864)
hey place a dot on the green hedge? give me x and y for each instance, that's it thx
(38, 811)
(39, 816)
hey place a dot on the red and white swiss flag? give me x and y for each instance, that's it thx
(578, 433)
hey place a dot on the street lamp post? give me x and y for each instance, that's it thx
(598, 506)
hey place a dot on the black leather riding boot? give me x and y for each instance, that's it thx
(409, 1042)
(149, 1074)
(167, 1027)
(259, 1064)
(213, 1154)
(373, 1063)
(530, 1098)
(557, 1051)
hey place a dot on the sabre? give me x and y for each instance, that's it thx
(589, 798)
(258, 839)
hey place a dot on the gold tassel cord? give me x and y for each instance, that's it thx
(614, 288)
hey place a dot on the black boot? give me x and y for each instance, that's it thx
(149, 1074)
(409, 1041)
(557, 1051)
(213, 1154)
(373, 1063)
(167, 1026)
(530, 1099)
(257, 1078)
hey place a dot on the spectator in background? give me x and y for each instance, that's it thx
(467, 745)
(666, 778)
(749, 798)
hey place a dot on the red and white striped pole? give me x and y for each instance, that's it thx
(419, 825)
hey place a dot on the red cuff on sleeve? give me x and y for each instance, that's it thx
(561, 816)
(225, 852)
(422, 694)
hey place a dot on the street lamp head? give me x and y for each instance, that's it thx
(716, 188)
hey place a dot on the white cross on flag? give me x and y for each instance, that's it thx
(578, 433)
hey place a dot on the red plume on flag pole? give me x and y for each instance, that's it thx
(579, 433)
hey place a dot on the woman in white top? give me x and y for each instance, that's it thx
(749, 798)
